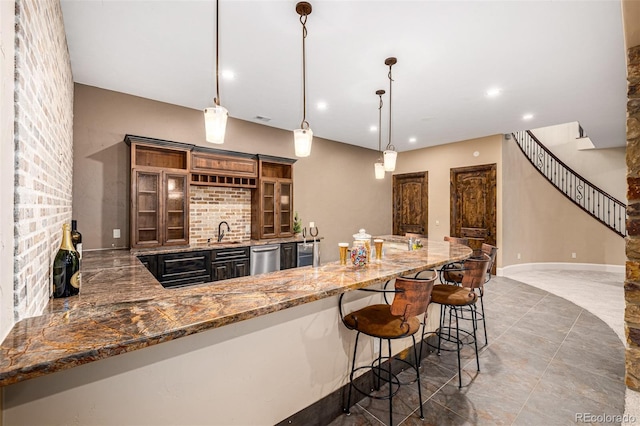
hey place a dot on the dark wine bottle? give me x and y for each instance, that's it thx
(76, 238)
(66, 267)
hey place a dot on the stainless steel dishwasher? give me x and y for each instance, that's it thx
(265, 259)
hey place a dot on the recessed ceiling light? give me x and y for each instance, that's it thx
(373, 128)
(527, 116)
(321, 105)
(412, 140)
(493, 92)
(228, 75)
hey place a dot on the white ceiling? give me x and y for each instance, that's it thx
(561, 61)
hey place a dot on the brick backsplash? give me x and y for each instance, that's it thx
(211, 205)
(43, 138)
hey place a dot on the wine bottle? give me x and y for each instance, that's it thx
(76, 238)
(66, 267)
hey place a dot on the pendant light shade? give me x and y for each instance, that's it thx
(215, 123)
(215, 117)
(379, 170)
(379, 165)
(303, 137)
(390, 160)
(390, 153)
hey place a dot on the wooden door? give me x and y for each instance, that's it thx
(473, 204)
(411, 203)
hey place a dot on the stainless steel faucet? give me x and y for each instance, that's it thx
(221, 232)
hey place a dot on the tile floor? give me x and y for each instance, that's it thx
(547, 361)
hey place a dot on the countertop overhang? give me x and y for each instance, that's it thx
(122, 307)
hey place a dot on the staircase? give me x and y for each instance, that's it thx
(602, 206)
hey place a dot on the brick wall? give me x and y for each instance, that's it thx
(43, 149)
(632, 282)
(211, 205)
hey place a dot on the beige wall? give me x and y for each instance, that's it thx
(438, 161)
(334, 187)
(544, 226)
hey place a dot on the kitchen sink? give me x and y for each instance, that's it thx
(227, 243)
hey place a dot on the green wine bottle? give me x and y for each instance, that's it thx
(76, 239)
(66, 267)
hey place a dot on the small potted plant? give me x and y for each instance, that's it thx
(297, 224)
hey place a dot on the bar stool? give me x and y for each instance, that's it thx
(450, 273)
(387, 322)
(452, 299)
(490, 251)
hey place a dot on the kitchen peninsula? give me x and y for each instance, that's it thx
(289, 353)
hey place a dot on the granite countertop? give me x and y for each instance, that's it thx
(219, 245)
(122, 307)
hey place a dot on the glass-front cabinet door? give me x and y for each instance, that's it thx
(285, 214)
(146, 208)
(175, 208)
(268, 208)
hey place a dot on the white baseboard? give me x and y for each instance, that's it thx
(525, 267)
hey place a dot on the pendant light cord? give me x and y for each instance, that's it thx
(216, 100)
(389, 146)
(304, 124)
(380, 122)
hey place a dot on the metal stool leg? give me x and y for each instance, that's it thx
(459, 346)
(484, 321)
(475, 337)
(442, 314)
(390, 386)
(417, 360)
(347, 409)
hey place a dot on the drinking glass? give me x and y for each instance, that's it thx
(378, 245)
(343, 252)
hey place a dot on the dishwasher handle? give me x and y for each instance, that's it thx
(264, 249)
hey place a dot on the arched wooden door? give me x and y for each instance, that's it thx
(410, 203)
(473, 204)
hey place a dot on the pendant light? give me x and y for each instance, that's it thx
(379, 165)
(303, 136)
(390, 153)
(215, 117)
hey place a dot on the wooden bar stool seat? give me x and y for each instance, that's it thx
(402, 318)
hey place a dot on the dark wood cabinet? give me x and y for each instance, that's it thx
(221, 271)
(272, 202)
(180, 269)
(288, 255)
(230, 263)
(151, 263)
(160, 208)
(159, 196)
(220, 169)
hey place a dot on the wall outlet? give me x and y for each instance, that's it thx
(437, 223)
(573, 255)
(519, 256)
(116, 233)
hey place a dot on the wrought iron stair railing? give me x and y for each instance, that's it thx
(603, 207)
